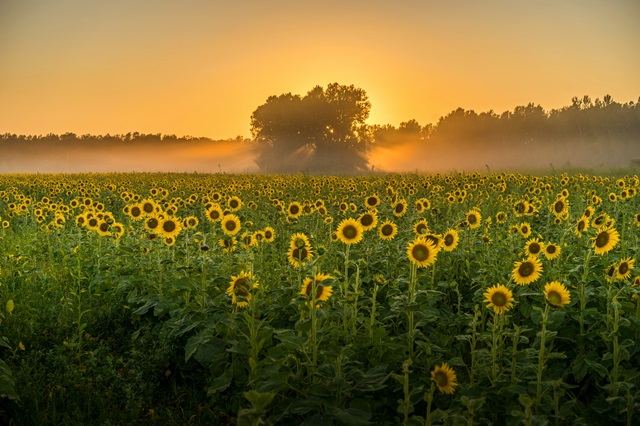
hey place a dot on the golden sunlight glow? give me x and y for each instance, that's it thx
(201, 68)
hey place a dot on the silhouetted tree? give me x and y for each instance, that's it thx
(324, 131)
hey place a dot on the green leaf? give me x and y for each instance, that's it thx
(350, 416)
(259, 401)
(193, 344)
(7, 382)
(221, 383)
(596, 367)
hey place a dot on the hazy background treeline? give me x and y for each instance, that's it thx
(71, 153)
(586, 133)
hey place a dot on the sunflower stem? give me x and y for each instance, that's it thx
(473, 342)
(356, 289)
(616, 348)
(429, 398)
(410, 311)
(345, 288)
(254, 329)
(496, 331)
(407, 408)
(314, 345)
(372, 318)
(514, 353)
(433, 276)
(541, 355)
(582, 293)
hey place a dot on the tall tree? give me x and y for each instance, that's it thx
(324, 131)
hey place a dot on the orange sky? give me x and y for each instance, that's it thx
(200, 68)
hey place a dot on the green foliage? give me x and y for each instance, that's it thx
(148, 328)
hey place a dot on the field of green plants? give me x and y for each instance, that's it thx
(392, 299)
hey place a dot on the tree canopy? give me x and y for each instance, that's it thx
(324, 131)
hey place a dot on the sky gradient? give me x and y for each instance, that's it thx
(201, 68)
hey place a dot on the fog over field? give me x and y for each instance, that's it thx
(201, 157)
(421, 157)
(238, 157)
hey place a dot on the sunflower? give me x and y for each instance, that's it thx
(169, 241)
(269, 234)
(524, 229)
(136, 212)
(299, 240)
(368, 220)
(92, 222)
(557, 294)
(473, 218)
(323, 292)
(190, 222)
(148, 207)
(611, 273)
(152, 223)
(169, 228)
(605, 240)
(298, 256)
(520, 208)
(400, 208)
(450, 240)
(601, 221)
(248, 239)
(118, 230)
(228, 244)
(581, 226)
(258, 236)
(444, 378)
(103, 229)
(527, 270)
(533, 247)
(588, 212)
(294, 210)
(350, 231)
(636, 285)
(551, 251)
(435, 239)
(421, 227)
(240, 289)
(500, 298)
(234, 203)
(623, 271)
(387, 230)
(422, 252)
(372, 201)
(230, 224)
(214, 213)
(560, 207)
(501, 217)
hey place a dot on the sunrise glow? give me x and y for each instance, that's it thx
(201, 68)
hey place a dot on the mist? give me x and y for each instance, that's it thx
(453, 157)
(391, 156)
(165, 156)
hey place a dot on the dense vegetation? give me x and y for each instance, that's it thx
(445, 299)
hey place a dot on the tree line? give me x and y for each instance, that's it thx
(71, 138)
(584, 120)
(325, 131)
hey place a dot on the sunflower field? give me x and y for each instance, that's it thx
(385, 299)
